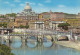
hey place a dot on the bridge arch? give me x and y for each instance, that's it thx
(49, 37)
(31, 38)
(16, 40)
(63, 37)
(15, 37)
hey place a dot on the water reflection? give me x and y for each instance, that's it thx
(48, 44)
(16, 43)
(19, 44)
(35, 48)
(31, 44)
(40, 49)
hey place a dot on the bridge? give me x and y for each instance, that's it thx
(5, 30)
(39, 37)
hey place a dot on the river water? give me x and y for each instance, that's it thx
(45, 48)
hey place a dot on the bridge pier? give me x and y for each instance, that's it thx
(40, 39)
(8, 37)
(54, 38)
(24, 39)
(2, 32)
(7, 42)
(23, 43)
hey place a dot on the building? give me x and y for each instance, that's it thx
(75, 23)
(20, 21)
(78, 16)
(36, 25)
(1, 15)
(54, 24)
(70, 16)
(45, 15)
(57, 15)
(61, 15)
(40, 16)
(27, 13)
(31, 24)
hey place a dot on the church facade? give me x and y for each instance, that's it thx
(27, 13)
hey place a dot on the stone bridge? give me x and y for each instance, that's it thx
(38, 36)
(24, 37)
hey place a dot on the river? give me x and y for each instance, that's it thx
(45, 48)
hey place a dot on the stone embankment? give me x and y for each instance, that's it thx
(70, 44)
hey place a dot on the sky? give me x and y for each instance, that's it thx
(16, 6)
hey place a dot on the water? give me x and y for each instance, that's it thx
(45, 48)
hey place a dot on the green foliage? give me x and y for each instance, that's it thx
(2, 16)
(27, 26)
(22, 26)
(3, 24)
(44, 12)
(64, 26)
(11, 15)
(4, 50)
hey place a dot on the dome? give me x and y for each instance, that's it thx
(28, 6)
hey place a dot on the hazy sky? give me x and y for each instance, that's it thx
(67, 6)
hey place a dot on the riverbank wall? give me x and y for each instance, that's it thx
(69, 44)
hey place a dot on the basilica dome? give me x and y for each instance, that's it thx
(27, 6)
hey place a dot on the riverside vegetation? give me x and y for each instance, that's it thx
(5, 50)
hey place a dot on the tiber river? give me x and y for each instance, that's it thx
(45, 48)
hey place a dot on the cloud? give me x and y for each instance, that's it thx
(6, 2)
(17, 1)
(48, 1)
(22, 4)
(40, 4)
(9, 4)
(61, 6)
(13, 5)
(32, 3)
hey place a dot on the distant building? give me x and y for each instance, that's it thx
(61, 15)
(40, 16)
(74, 23)
(54, 24)
(70, 16)
(20, 21)
(78, 16)
(28, 14)
(36, 25)
(57, 15)
(45, 15)
(1, 15)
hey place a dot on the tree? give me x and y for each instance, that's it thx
(11, 15)
(64, 26)
(27, 26)
(21, 26)
(2, 16)
(3, 24)
(5, 50)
